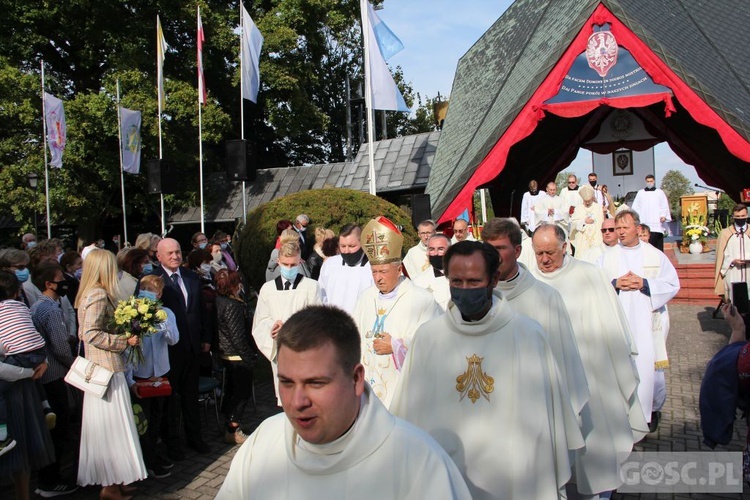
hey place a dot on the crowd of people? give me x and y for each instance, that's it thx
(521, 361)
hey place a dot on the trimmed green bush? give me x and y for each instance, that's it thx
(329, 208)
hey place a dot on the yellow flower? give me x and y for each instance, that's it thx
(143, 308)
(161, 315)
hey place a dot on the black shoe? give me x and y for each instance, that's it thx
(176, 454)
(56, 490)
(654, 424)
(158, 472)
(200, 446)
(164, 463)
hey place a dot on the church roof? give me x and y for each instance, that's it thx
(701, 42)
(402, 164)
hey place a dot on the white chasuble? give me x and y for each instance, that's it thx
(737, 248)
(613, 419)
(380, 457)
(399, 314)
(585, 236)
(491, 394)
(277, 304)
(416, 260)
(644, 312)
(437, 285)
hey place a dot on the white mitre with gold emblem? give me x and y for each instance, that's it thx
(382, 241)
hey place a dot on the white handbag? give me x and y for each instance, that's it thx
(89, 377)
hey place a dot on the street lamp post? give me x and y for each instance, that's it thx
(33, 181)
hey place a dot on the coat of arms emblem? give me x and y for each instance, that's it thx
(601, 52)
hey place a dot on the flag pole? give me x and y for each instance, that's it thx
(368, 96)
(242, 108)
(200, 122)
(159, 76)
(122, 176)
(46, 162)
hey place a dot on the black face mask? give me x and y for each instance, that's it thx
(533, 192)
(740, 222)
(352, 259)
(436, 261)
(62, 288)
(593, 184)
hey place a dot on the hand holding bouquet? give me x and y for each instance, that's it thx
(138, 317)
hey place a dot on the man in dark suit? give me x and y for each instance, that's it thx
(300, 225)
(182, 294)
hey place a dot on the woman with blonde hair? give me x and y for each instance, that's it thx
(317, 257)
(110, 454)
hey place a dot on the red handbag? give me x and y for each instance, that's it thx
(153, 387)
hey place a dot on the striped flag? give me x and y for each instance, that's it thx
(201, 78)
(161, 49)
(54, 115)
(252, 42)
(130, 125)
(385, 93)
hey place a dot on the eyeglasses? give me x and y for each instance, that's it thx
(571, 182)
(608, 230)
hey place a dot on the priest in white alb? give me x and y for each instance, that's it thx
(540, 302)
(416, 262)
(345, 276)
(652, 206)
(279, 299)
(483, 381)
(613, 419)
(433, 278)
(645, 280)
(388, 313)
(735, 253)
(335, 439)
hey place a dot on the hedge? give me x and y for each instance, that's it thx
(330, 208)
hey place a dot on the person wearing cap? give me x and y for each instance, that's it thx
(586, 222)
(388, 313)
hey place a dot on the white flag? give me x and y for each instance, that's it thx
(56, 131)
(385, 92)
(252, 42)
(161, 49)
(130, 129)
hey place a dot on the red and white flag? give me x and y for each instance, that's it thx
(201, 79)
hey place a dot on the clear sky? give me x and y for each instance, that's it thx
(436, 33)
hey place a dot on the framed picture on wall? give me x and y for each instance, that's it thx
(622, 162)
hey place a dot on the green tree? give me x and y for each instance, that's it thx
(675, 184)
(561, 180)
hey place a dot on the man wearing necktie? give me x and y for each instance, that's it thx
(182, 294)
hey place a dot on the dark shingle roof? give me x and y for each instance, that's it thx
(401, 164)
(700, 41)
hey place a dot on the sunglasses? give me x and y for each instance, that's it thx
(608, 230)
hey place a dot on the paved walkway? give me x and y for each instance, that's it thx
(694, 338)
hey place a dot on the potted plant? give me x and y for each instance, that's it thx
(694, 233)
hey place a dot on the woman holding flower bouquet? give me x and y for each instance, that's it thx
(110, 454)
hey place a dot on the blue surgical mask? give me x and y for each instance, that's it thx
(470, 301)
(289, 273)
(78, 273)
(147, 294)
(202, 245)
(148, 268)
(223, 246)
(30, 245)
(22, 275)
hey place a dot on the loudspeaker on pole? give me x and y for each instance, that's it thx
(420, 208)
(239, 160)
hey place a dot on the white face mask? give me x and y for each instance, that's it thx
(217, 257)
(649, 185)
(205, 268)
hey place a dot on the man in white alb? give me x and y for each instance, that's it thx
(335, 439)
(540, 302)
(461, 231)
(550, 210)
(433, 279)
(483, 381)
(645, 281)
(613, 419)
(279, 299)
(609, 240)
(732, 253)
(569, 198)
(416, 261)
(388, 313)
(601, 200)
(343, 277)
(652, 206)
(528, 202)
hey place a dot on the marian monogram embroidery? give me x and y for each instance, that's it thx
(475, 382)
